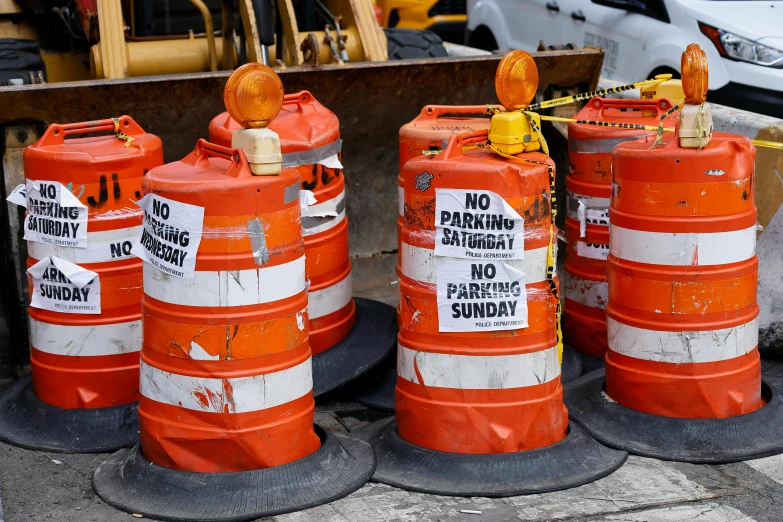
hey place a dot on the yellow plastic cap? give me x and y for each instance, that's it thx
(253, 95)
(695, 75)
(516, 80)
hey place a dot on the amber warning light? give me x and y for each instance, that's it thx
(516, 80)
(253, 95)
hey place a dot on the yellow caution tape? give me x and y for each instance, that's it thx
(768, 144)
(660, 130)
(600, 123)
(119, 134)
(566, 100)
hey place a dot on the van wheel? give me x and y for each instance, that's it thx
(405, 44)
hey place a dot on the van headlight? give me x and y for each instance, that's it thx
(736, 47)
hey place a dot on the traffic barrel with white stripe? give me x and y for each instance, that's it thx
(427, 132)
(310, 143)
(226, 413)
(589, 188)
(226, 381)
(683, 375)
(479, 373)
(682, 311)
(476, 387)
(226, 409)
(85, 285)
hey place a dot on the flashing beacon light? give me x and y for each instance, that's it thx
(516, 82)
(695, 75)
(696, 115)
(253, 97)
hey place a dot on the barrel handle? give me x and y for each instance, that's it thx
(660, 105)
(433, 112)
(56, 133)
(205, 150)
(298, 98)
(456, 142)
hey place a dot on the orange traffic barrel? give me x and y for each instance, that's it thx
(428, 132)
(347, 336)
(683, 376)
(226, 408)
(85, 287)
(589, 188)
(479, 394)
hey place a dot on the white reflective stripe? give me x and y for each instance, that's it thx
(416, 263)
(478, 372)
(572, 204)
(683, 249)
(682, 347)
(330, 299)
(323, 216)
(232, 395)
(86, 341)
(594, 294)
(401, 200)
(330, 207)
(109, 245)
(227, 288)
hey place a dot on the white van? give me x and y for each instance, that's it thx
(743, 39)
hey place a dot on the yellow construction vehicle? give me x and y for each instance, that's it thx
(446, 18)
(106, 39)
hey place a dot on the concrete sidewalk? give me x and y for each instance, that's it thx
(49, 486)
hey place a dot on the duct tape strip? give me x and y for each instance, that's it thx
(599, 146)
(86, 341)
(231, 395)
(587, 292)
(682, 347)
(401, 201)
(330, 299)
(227, 287)
(323, 216)
(291, 194)
(255, 231)
(109, 245)
(684, 248)
(477, 372)
(326, 156)
(419, 263)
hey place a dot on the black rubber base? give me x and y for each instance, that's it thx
(372, 337)
(375, 389)
(130, 482)
(700, 441)
(30, 423)
(572, 462)
(772, 372)
(591, 364)
(572, 364)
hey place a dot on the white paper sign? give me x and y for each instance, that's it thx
(306, 198)
(18, 196)
(477, 224)
(592, 250)
(54, 215)
(170, 236)
(591, 216)
(61, 286)
(480, 296)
